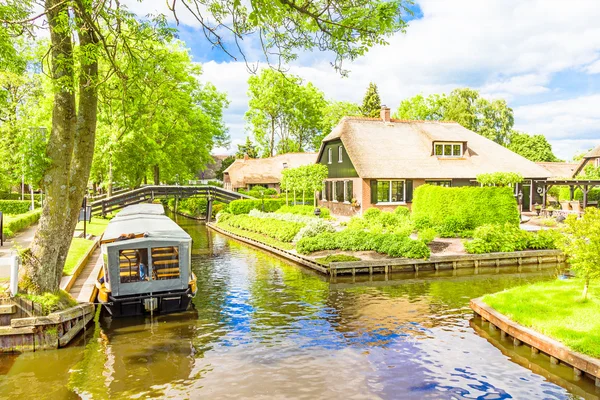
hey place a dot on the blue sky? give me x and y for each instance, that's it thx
(542, 56)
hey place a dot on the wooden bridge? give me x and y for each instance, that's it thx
(147, 194)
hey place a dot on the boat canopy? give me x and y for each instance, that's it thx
(143, 220)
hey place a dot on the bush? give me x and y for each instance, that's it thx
(403, 211)
(427, 235)
(352, 240)
(283, 231)
(14, 207)
(17, 196)
(371, 214)
(313, 228)
(463, 208)
(304, 210)
(244, 206)
(508, 238)
(215, 183)
(19, 222)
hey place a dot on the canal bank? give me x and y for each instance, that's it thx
(263, 327)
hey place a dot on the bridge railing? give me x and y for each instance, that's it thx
(149, 193)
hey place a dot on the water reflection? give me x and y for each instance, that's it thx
(264, 328)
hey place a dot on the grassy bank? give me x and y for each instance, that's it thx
(555, 309)
(256, 236)
(79, 247)
(96, 227)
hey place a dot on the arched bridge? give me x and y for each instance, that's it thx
(149, 193)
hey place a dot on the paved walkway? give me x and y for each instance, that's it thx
(21, 240)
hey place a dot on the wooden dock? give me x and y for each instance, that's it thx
(391, 265)
(582, 365)
(83, 288)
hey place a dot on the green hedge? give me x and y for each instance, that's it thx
(283, 231)
(565, 194)
(19, 222)
(456, 209)
(17, 196)
(394, 245)
(304, 210)
(508, 238)
(15, 206)
(244, 206)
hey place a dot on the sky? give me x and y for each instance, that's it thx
(542, 56)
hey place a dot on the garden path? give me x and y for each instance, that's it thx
(21, 240)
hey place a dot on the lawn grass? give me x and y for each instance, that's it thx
(336, 258)
(557, 310)
(256, 236)
(79, 247)
(96, 227)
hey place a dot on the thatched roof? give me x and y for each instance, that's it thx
(265, 170)
(590, 155)
(559, 169)
(404, 149)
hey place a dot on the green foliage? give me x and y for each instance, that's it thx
(336, 258)
(247, 149)
(455, 209)
(17, 196)
(394, 245)
(314, 227)
(259, 191)
(403, 211)
(377, 221)
(224, 165)
(499, 178)
(14, 224)
(555, 309)
(533, 147)
(52, 302)
(304, 179)
(244, 206)
(304, 210)
(332, 114)
(565, 194)
(371, 106)
(283, 231)
(508, 238)
(427, 235)
(223, 218)
(15, 206)
(79, 247)
(492, 119)
(581, 244)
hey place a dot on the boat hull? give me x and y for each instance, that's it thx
(157, 303)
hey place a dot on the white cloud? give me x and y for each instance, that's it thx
(593, 68)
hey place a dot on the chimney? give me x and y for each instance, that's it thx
(385, 113)
(246, 156)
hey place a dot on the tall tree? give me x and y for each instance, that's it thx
(490, 118)
(533, 147)
(371, 106)
(247, 149)
(80, 32)
(333, 112)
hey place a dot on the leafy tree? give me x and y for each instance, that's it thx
(304, 178)
(333, 112)
(581, 244)
(224, 165)
(86, 34)
(490, 118)
(371, 106)
(499, 179)
(248, 148)
(533, 147)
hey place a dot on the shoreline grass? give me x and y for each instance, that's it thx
(96, 227)
(256, 236)
(555, 309)
(79, 247)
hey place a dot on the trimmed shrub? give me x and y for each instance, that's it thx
(244, 206)
(508, 238)
(463, 208)
(14, 207)
(427, 235)
(283, 231)
(304, 210)
(371, 214)
(17, 196)
(403, 211)
(313, 228)
(19, 222)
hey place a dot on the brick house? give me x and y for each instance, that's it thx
(379, 162)
(249, 172)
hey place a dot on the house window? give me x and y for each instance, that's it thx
(448, 149)
(333, 194)
(324, 191)
(329, 155)
(340, 151)
(348, 193)
(339, 191)
(439, 183)
(390, 191)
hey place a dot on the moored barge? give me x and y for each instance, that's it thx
(146, 263)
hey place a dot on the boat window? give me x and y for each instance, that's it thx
(133, 265)
(165, 262)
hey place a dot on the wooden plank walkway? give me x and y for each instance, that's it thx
(83, 288)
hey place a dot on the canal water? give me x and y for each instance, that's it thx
(267, 329)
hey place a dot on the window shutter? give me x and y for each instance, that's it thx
(409, 191)
(373, 191)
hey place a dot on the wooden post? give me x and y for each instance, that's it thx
(585, 196)
(516, 342)
(571, 193)
(535, 350)
(554, 360)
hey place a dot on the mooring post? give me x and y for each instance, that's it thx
(209, 205)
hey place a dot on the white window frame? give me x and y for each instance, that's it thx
(340, 153)
(452, 144)
(346, 200)
(390, 191)
(333, 193)
(329, 155)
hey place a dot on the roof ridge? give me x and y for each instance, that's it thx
(361, 118)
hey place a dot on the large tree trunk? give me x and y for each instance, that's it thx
(156, 175)
(70, 150)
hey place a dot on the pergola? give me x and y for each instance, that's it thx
(585, 185)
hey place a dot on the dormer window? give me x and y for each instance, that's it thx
(441, 149)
